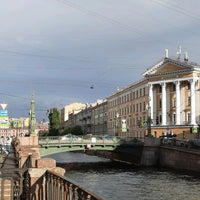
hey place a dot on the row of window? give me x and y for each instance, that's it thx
(128, 97)
(129, 110)
(188, 102)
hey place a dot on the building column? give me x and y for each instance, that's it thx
(150, 100)
(164, 105)
(192, 103)
(178, 103)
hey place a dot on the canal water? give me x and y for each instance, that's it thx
(113, 181)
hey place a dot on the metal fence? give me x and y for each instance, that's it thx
(51, 186)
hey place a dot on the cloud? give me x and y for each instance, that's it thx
(59, 48)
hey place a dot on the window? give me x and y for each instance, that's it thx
(174, 118)
(188, 85)
(140, 92)
(144, 106)
(189, 101)
(160, 103)
(160, 118)
(188, 117)
(160, 89)
(174, 102)
(174, 87)
(137, 94)
(143, 91)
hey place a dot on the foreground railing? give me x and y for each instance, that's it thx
(51, 186)
(11, 184)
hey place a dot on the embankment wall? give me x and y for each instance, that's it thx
(161, 156)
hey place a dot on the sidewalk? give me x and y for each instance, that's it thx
(10, 161)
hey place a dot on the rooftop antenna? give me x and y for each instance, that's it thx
(166, 53)
(179, 52)
(186, 58)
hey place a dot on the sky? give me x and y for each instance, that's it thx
(58, 49)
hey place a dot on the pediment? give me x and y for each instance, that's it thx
(168, 66)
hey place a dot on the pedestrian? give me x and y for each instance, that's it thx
(1, 144)
(8, 144)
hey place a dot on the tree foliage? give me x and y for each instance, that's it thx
(76, 130)
(54, 121)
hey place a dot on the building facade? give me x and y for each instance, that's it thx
(127, 107)
(70, 110)
(166, 100)
(99, 118)
(174, 96)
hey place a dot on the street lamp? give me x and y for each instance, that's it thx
(149, 119)
(116, 123)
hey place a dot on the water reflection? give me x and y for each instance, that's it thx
(70, 157)
(139, 184)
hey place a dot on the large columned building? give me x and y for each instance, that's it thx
(174, 95)
(166, 100)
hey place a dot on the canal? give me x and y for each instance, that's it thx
(113, 181)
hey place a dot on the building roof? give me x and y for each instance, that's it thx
(179, 67)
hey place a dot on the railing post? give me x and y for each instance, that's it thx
(88, 197)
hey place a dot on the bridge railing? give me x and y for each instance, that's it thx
(48, 140)
(85, 139)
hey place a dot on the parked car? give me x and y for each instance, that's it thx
(108, 138)
(70, 137)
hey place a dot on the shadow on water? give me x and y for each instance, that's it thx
(94, 165)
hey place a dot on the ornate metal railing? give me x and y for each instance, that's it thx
(51, 186)
(11, 184)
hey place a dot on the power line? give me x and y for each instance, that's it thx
(177, 9)
(12, 95)
(134, 29)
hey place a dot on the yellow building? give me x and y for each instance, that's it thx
(174, 96)
(169, 95)
(127, 111)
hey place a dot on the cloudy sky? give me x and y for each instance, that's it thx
(60, 48)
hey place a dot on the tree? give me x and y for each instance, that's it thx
(77, 130)
(54, 121)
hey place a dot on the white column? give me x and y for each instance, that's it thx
(178, 103)
(164, 105)
(192, 106)
(151, 100)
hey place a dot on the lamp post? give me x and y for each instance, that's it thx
(149, 119)
(32, 119)
(116, 123)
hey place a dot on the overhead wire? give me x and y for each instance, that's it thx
(110, 20)
(180, 10)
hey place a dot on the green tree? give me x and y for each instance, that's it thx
(77, 130)
(54, 121)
